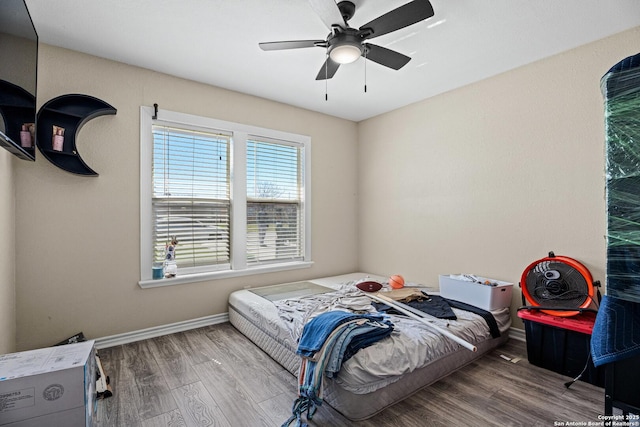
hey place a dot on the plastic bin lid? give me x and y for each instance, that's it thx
(582, 323)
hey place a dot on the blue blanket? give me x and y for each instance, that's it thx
(616, 332)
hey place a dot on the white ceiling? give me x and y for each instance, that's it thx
(216, 42)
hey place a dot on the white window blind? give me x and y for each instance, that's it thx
(275, 194)
(238, 203)
(191, 197)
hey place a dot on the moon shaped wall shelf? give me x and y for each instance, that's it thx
(59, 121)
(17, 107)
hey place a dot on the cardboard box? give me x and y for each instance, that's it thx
(52, 386)
(480, 295)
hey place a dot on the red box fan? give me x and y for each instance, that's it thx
(559, 286)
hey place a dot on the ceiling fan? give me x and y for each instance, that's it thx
(345, 44)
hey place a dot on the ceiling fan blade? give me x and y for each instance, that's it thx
(328, 69)
(408, 14)
(328, 11)
(293, 44)
(387, 57)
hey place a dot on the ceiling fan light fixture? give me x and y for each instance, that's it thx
(345, 53)
(345, 44)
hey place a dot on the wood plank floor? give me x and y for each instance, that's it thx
(214, 376)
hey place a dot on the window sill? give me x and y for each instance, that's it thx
(214, 275)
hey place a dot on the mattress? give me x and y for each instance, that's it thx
(378, 376)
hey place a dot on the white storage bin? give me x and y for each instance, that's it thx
(486, 297)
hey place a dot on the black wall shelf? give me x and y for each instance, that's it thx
(69, 112)
(17, 107)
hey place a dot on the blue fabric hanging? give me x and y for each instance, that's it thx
(327, 341)
(616, 332)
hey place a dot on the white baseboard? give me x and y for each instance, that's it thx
(158, 331)
(517, 334)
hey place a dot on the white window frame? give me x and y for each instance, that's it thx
(240, 133)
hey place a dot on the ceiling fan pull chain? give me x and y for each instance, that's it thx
(326, 79)
(365, 69)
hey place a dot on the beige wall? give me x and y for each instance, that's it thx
(78, 237)
(7, 259)
(488, 178)
(484, 179)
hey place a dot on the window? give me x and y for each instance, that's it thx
(274, 202)
(235, 197)
(191, 197)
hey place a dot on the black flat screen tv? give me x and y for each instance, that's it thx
(18, 78)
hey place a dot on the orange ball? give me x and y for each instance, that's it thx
(396, 281)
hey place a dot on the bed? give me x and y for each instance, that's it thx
(378, 376)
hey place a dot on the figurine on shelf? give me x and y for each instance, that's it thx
(170, 266)
(26, 135)
(57, 141)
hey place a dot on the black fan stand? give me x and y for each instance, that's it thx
(580, 310)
